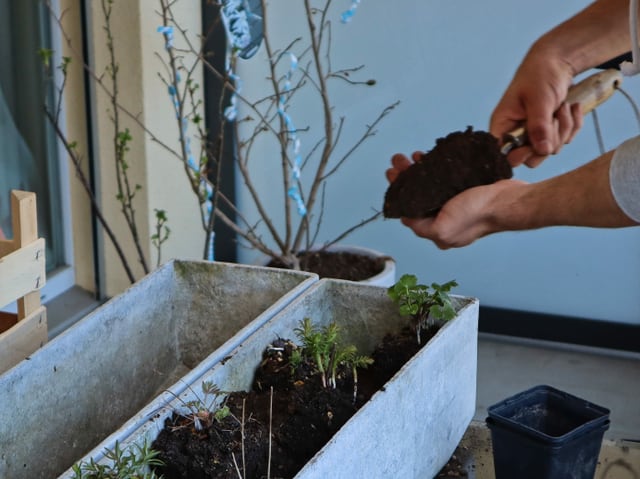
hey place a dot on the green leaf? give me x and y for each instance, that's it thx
(45, 56)
(415, 300)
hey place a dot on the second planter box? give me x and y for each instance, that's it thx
(409, 429)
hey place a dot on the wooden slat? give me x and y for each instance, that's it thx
(24, 217)
(22, 272)
(23, 339)
(25, 231)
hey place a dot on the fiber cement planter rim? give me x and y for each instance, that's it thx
(159, 335)
(387, 277)
(437, 385)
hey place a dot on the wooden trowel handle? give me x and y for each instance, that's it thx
(589, 93)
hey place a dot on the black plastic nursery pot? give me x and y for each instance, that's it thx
(545, 433)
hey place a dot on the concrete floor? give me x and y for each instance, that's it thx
(611, 379)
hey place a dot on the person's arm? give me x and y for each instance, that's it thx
(540, 85)
(596, 34)
(582, 197)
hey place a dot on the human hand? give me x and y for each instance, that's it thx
(536, 97)
(399, 163)
(467, 216)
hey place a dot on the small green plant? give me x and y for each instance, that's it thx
(322, 347)
(136, 462)
(204, 410)
(422, 305)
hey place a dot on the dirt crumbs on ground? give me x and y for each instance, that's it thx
(459, 161)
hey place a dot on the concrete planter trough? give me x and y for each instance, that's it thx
(432, 397)
(140, 348)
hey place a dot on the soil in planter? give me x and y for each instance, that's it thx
(339, 264)
(301, 414)
(459, 161)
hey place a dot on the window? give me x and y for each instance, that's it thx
(28, 147)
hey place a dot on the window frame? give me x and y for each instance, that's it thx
(62, 278)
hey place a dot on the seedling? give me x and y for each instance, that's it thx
(124, 464)
(203, 411)
(423, 306)
(322, 347)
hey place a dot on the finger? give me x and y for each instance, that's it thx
(520, 156)
(400, 162)
(564, 121)
(416, 155)
(420, 226)
(534, 161)
(506, 117)
(540, 114)
(391, 174)
(426, 228)
(415, 222)
(578, 120)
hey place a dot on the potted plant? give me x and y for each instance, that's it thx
(283, 113)
(282, 120)
(440, 377)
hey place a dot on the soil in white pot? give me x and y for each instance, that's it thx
(339, 264)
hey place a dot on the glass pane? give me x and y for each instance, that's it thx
(27, 146)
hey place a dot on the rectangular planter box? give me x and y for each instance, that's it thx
(140, 348)
(432, 398)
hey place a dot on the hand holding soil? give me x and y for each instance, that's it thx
(459, 161)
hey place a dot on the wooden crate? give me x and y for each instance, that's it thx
(22, 274)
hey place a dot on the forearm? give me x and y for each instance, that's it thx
(597, 34)
(581, 197)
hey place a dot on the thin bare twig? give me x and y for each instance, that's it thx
(235, 463)
(244, 466)
(86, 185)
(270, 432)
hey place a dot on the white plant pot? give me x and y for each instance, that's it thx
(141, 348)
(386, 278)
(408, 429)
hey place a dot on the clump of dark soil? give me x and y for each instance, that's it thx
(292, 412)
(459, 161)
(338, 264)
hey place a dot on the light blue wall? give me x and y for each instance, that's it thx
(448, 62)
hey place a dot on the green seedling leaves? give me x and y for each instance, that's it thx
(322, 346)
(135, 462)
(423, 304)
